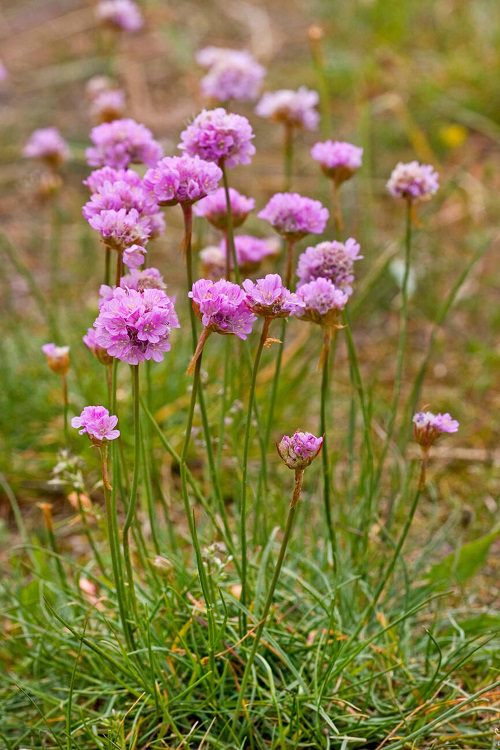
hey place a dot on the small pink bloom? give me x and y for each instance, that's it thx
(97, 423)
(299, 450)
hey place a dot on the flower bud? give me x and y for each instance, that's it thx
(428, 427)
(299, 450)
(57, 358)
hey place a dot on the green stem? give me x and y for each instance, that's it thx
(324, 409)
(403, 334)
(64, 382)
(299, 474)
(130, 516)
(288, 157)
(244, 477)
(107, 266)
(230, 245)
(187, 246)
(338, 220)
(290, 246)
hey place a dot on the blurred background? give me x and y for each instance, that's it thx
(404, 80)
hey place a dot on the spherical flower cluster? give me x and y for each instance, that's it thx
(299, 450)
(222, 307)
(330, 260)
(135, 326)
(268, 298)
(181, 179)
(413, 181)
(294, 216)
(148, 278)
(338, 159)
(108, 105)
(57, 358)
(121, 229)
(122, 15)
(120, 143)
(293, 108)
(232, 74)
(48, 145)
(97, 423)
(322, 300)
(89, 339)
(214, 208)
(250, 251)
(220, 136)
(428, 427)
(99, 177)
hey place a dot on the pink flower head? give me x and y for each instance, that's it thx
(214, 208)
(213, 262)
(220, 136)
(108, 105)
(89, 339)
(268, 298)
(413, 181)
(148, 278)
(250, 251)
(299, 450)
(122, 15)
(428, 427)
(133, 256)
(57, 358)
(48, 145)
(293, 108)
(135, 326)
(232, 74)
(322, 300)
(338, 159)
(222, 307)
(330, 260)
(294, 216)
(181, 179)
(99, 177)
(121, 229)
(120, 143)
(97, 423)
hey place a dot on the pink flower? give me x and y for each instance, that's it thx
(293, 108)
(330, 260)
(108, 105)
(89, 339)
(250, 251)
(97, 423)
(214, 208)
(122, 15)
(121, 229)
(413, 181)
(48, 145)
(181, 179)
(120, 143)
(99, 177)
(148, 278)
(133, 256)
(294, 216)
(428, 427)
(299, 450)
(268, 298)
(219, 136)
(57, 358)
(135, 326)
(338, 159)
(232, 74)
(322, 301)
(222, 307)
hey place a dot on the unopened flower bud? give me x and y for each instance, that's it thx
(57, 358)
(299, 450)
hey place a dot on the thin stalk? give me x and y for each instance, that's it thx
(230, 246)
(107, 265)
(288, 139)
(88, 533)
(130, 516)
(64, 383)
(299, 475)
(403, 334)
(338, 220)
(290, 246)
(114, 544)
(316, 35)
(187, 246)
(324, 408)
(244, 476)
(119, 268)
